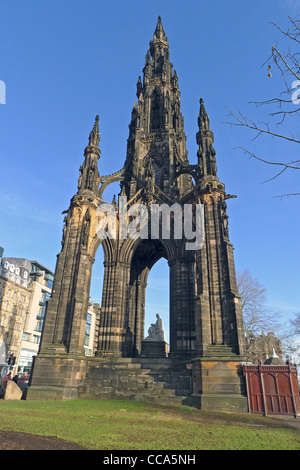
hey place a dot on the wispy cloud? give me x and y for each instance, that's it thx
(14, 205)
(156, 305)
(165, 289)
(283, 307)
(292, 7)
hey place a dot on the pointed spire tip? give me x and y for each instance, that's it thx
(159, 27)
(94, 137)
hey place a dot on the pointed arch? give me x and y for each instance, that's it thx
(156, 110)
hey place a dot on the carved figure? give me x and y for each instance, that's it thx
(156, 330)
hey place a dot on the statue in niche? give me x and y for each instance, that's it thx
(213, 163)
(200, 163)
(91, 178)
(167, 99)
(225, 218)
(139, 87)
(156, 330)
(64, 231)
(80, 177)
(149, 176)
(86, 229)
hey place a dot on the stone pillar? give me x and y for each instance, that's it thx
(182, 319)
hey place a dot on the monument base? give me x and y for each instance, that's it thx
(154, 349)
(207, 385)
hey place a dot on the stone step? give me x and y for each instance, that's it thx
(153, 398)
(131, 379)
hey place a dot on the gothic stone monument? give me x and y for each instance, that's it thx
(202, 365)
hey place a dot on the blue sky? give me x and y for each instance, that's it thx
(65, 62)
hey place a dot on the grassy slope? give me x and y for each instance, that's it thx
(126, 425)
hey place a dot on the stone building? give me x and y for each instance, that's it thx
(41, 282)
(25, 288)
(207, 342)
(262, 346)
(14, 302)
(92, 329)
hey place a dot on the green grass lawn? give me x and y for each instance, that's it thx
(128, 425)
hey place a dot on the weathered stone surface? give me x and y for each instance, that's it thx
(154, 349)
(12, 392)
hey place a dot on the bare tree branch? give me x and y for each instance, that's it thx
(243, 121)
(286, 165)
(285, 63)
(273, 177)
(287, 33)
(287, 195)
(288, 63)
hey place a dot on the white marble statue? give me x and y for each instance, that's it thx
(156, 330)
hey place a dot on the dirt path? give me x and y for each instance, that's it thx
(22, 441)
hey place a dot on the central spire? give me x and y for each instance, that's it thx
(156, 130)
(159, 48)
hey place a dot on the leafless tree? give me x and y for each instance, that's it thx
(295, 323)
(253, 298)
(285, 107)
(291, 340)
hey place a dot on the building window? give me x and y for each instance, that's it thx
(36, 339)
(87, 329)
(45, 297)
(38, 326)
(49, 281)
(26, 337)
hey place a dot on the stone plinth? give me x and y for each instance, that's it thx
(154, 348)
(12, 391)
(219, 382)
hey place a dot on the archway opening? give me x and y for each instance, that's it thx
(147, 254)
(97, 277)
(94, 306)
(158, 296)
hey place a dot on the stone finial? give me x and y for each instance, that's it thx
(159, 27)
(203, 119)
(159, 33)
(94, 137)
